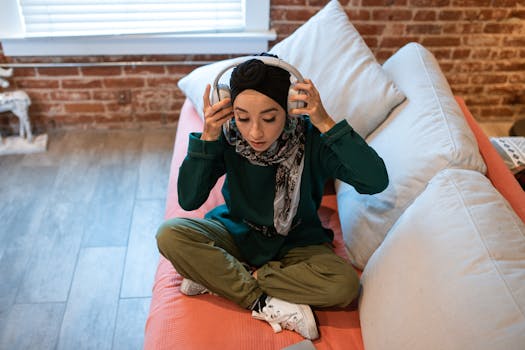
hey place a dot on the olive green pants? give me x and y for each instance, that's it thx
(204, 251)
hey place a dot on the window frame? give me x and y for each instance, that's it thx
(253, 39)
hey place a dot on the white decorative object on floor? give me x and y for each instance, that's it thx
(18, 103)
(4, 73)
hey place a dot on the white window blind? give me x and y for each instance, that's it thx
(55, 18)
(116, 27)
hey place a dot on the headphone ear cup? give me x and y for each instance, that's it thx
(294, 104)
(222, 92)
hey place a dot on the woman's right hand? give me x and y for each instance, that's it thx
(215, 116)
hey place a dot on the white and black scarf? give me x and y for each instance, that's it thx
(288, 153)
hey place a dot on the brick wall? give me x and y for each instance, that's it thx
(480, 45)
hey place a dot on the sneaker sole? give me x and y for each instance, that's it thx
(185, 288)
(308, 314)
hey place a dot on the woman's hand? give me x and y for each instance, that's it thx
(314, 107)
(215, 116)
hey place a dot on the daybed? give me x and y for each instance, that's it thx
(441, 250)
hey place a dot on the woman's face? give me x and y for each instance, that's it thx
(259, 119)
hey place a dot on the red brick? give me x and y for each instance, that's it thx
(423, 29)
(489, 79)
(47, 108)
(429, 3)
(510, 66)
(84, 108)
(480, 100)
(358, 15)
(466, 90)
(503, 54)
(391, 15)
(474, 3)
(105, 95)
(124, 83)
(369, 29)
(101, 71)
(60, 71)
(116, 107)
(517, 78)
(37, 84)
(370, 41)
(481, 40)
(442, 53)
(450, 15)
(496, 112)
(383, 2)
(502, 28)
(514, 41)
(517, 14)
(165, 82)
(504, 3)
(148, 70)
(299, 14)
(70, 95)
(24, 72)
(397, 42)
(458, 78)
(425, 15)
(382, 55)
(461, 53)
(288, 2)
(81, 83)
(473, 67)
(462, 28)
(441, 41)
(493, 14)
(181, 70)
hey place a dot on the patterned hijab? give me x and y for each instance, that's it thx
(287, 152)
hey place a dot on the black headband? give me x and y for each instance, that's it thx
(271, 81)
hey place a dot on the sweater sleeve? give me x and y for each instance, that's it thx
(200, 170)
(347, 157)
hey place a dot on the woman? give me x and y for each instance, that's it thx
(265, 248)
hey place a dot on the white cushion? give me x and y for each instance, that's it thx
(328, 50)
(194, 84)
(450, 274)
(423, 135)
(353, 86)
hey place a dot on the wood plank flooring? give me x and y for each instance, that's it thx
(77, 239)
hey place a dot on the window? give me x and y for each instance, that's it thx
(98, 27)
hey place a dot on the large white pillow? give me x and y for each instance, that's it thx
(328, 50)
(423, 135)
(450, 274)
(353, 86)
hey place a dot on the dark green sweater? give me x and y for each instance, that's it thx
(249, 189)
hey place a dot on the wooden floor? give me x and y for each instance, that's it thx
(77, 239)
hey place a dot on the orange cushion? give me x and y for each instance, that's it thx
(497, 171)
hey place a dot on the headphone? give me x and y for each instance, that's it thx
(222, 91)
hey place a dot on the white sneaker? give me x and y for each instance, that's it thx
(282, 314)
(188, 287)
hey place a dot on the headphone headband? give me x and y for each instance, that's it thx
(271, 61)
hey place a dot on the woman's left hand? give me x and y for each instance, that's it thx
(314, 107)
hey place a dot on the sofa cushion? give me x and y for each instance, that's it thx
(353, 86)
(423, 135)
(451, 272)
(328, 50)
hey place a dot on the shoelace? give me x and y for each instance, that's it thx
(275, 320)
